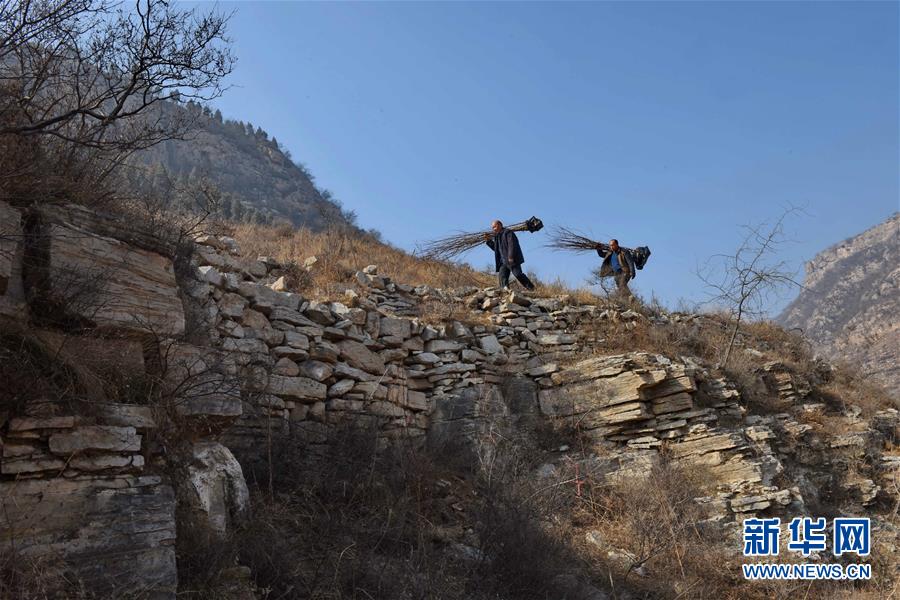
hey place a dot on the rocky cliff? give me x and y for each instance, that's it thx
(176, 372)
(850, 304)
(257, 180)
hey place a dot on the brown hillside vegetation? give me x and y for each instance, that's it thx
(341, 251)
(524, 506)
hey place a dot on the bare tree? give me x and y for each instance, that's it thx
(747, 281)
(85, 83)
(72, 68)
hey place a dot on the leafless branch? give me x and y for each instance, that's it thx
(747, 281)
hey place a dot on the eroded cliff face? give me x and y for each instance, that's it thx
(850, 305)
(181, 362)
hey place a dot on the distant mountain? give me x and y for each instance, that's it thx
(850, 307)
(259, 181)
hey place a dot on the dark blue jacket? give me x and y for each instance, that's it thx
(507, 251)
(626, 262)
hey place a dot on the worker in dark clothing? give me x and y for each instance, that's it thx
(618, 264)
(508, 256)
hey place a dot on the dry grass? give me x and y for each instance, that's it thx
(29, 578)
(341, 252)
(353, 524)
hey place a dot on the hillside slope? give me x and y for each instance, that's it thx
(395, 439)
(850, 307)
(258, 180)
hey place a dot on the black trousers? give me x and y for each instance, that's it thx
(504, 272)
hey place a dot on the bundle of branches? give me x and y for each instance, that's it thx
(451, 246)
(564, 238)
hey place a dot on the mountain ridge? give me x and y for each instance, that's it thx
(255, 176)
(849, 304)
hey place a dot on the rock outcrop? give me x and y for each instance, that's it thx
(239, 368)
(85, 475)
(850, 303)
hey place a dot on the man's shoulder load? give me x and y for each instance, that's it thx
(640, 255)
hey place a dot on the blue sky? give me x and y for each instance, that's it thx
(662, 124)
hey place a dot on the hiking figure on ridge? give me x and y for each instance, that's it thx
(618, 263)
(508, 256)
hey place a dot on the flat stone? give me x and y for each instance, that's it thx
(301, 388)
(280, 313)
(438, 346)
(96, 437)
(286, 367)
(232, 305)
(316, 370)
(139, 416)
(325, 352)
(671, 404)
(416, 400)
(296, 340)
(29, 424)
(341, 387)
(345, 371)
(385, 409)
(129, 288)
(32, 464)
(319, 313)
(116, 534)
(557, 339)
(425, 358)
(105, 462)
(542, 370)
(359, 356)
(345, 405)
(391, 326)
(672, 386)
(451, 368)
(245, 345)
(490, 344)
(704, 443)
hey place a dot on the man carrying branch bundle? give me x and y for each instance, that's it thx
(622, 264)
(508, 256)
(618, 263)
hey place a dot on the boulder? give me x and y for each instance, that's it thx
(215, 487)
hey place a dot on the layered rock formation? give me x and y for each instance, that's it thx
(85, 478)
(850, 304)
(239, 367)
